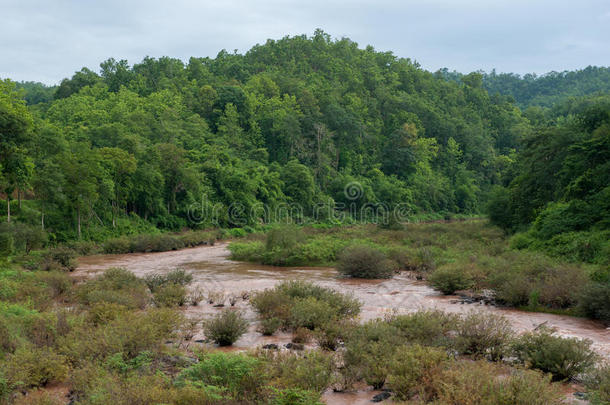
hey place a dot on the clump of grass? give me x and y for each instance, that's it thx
(226, 327)
(300, 304)
(362, 261)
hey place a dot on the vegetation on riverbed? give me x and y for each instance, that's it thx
(461, 255)
(112, 339)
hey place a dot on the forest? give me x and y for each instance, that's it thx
(302, 151)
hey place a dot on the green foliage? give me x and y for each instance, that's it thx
(594, 301)
(598, 384)
(413, 369)
(564, 358)
(292, 396)
(451, 278)
(117, 286)
(479, 383)
(226, 327)
(236, 375)
(269, 326)
(363, 261)
(313, 371)
(34, 367)
(431, 328)
(303, 304)
(484, 335)
(170, 295)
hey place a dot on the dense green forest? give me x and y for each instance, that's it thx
(299, 121)
(545, 90)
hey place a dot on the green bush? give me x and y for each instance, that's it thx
(237, 375)
(176, 277)
(169, 295)
(369, 349)
(413, 370)
(115, 285)
(431, 328)
(269, 326)
(484, 334)
(58, 282)
(310, 313)
(478, 383)
(226, 327)
(328, 336)
(34, 367)
(129, 333)
(594, 301)
(598, 385)
(450, 278)
(294, 396)
(563, 357)
(284, 238)
(61, 256)
(313, 371)
(362, 261)
(302, 304)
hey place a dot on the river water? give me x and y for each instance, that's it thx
(213, 271)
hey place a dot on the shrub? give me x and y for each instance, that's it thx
(515, 292)
(226, 327)
(310, 313)
(170, 295)
(104, 312)
(413, 370)
(35, 367)
(62, 256)
(450, 278)
(483, 334)
(129, 333)
(478, 383)
(115, 285)
(236, 374)
(301, 335)
(269, 326)
(560, 288)
(312, 371)
(117, 246)
(329, 336)
(38, 397)
(562, 357)
(284, 238)
(295, 396)
(598, 385)
(368, 351)
(302, 304)
(363, 261)
(59, 283)
(176, 277)
(594, 301)
(432, 328)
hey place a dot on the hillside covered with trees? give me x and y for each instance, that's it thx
(294, 121)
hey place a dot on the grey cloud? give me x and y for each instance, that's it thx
(49, 40)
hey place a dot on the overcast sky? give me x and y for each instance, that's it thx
(47, 40)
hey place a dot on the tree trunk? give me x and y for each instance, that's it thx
(114, 214)
(78, 223)
(19, 199)
(8, 208)
(42, 220)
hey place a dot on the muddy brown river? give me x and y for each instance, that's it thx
(214, 272)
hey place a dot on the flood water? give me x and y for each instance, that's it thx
(214, 272)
